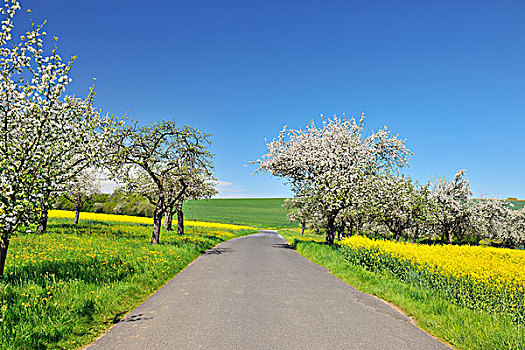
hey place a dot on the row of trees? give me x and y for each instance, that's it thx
(53, 144)
(345, 183)
(118, 202)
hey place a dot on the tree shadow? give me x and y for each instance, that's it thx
(136, 318)
(218, 251)
(283, 246)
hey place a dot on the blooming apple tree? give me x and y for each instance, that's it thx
(453, 212)
(299, 210)
(327, 164)
(500, 222)
(155, 160)
(42, 131)
(81, 188)
(196, 184)
(394, 204)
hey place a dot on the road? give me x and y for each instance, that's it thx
(256, 293)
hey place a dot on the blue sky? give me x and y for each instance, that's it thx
(448, 76)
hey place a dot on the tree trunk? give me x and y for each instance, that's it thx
(42, 227)
(303, 225)
(157, 221)
(350, 227)
(397, 234)
(330, 229)
(168, 220)
(446, 236)
(4, 244)
(77, 216)
(180, 219)
(415, 234)
(358, 224)
(341, 231)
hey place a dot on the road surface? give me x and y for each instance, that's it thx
(256, 293)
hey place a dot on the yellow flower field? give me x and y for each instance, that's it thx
(487, 264)
(64, 214)
(477, 277)
(86, 276)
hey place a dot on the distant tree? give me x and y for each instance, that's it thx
(394, 204)
(452, 212)
(81, 189)
(152, 158)
(499, 221)
(197, 184)
(518, 224)
(420, 211)
(363, 205)
(298, 210)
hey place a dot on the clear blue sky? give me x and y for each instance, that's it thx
(449, 76)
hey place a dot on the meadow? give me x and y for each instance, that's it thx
(257, 212)
(64, 288)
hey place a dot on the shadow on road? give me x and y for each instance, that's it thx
(135, 318)
(216, 251)
(283, 246)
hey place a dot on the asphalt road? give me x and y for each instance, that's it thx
(255, 293)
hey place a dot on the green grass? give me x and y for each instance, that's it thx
(258, 212)
(461, 327)
(64, 288)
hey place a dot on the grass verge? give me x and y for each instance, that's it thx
(64, 288)
(461, 327)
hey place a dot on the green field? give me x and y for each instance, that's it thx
(519, 204)
(257, 212)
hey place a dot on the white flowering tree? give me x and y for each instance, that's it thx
(394, 204)
(196, 184)
(299, 210)
(155, 159)
(81, 188)
(42, 131)
(517, 235)
(401, 205)
(492, 215)
(420, 211)
(500, 222)
(363, 205)
(453, 212)
(326, 164)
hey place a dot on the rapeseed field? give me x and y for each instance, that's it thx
(64, 214)
(491, 279)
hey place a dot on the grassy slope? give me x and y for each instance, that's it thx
(258, 212)
(464, 328)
